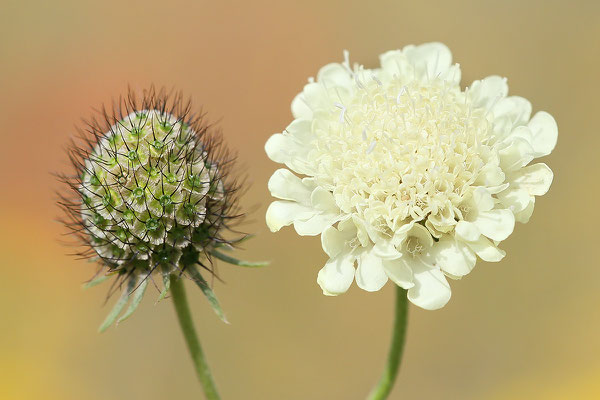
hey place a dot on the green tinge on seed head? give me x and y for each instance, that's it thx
(150, 193)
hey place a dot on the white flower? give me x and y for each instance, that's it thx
(406, 175)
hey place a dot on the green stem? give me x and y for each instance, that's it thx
(383, 388)
(191, 338)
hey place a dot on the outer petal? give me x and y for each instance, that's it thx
(334, 74)
(334, 241)
(399, 272)
(317, 96)
(515, 198)
(536, 179)
(430, 59)
(300, 108)
(386, 250)
(483, 199)
(421, 233)
(545, 133)
(486, 250)
(323, 199)
(513, 111)
(287, 186)
(467, 231)
(394, 62)
(516, 155)
(495, 224)
(453, 257)
(300, 131)
(285, 150)
(490, 175)
(431, 290)
(315, 224)
(523, 216)
(364, 232)
(337, 275)
(370, 274)
(521, 132)
(488, 92)
(284, 213)
(276, 148)
(497, 189)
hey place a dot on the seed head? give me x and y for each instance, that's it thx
(151, 190)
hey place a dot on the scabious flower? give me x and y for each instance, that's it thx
(404, 174)
(151, 195)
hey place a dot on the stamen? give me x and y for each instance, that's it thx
(371, 147)
(343, 108)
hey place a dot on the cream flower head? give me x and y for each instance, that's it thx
(406, 175)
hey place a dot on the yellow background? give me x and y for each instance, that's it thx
(526, 328)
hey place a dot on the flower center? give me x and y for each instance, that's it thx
(400, 149)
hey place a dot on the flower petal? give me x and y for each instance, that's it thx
(287, 186)
(284, 213)
(516, 155)
(488, 92)
(334, 74)
(317, 97)
(337, 275)
(276, 148)
(483, 199)
(282, 148)
(300, 130)
(453, 256)
(399, 272)
(386, 250)
(364, 231)
(421, 233)
(521, 132)
(334, 241)
(536, 179)
(393, 63)
(523, 216)
(497, 189)
(545, 133)
(467, 231)
(429, 59)
(300, 108)
(431, 290)
(370, 274)
(323, 199)
(495, 224)
(490, 175)
(486, 250)
(315, 224)
(512, 111)
(515, 198)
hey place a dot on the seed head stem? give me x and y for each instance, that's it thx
(187, 327)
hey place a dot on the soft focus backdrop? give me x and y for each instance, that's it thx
(526, 328)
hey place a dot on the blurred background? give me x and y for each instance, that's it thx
(526, 328)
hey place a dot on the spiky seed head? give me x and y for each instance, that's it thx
(151, 189)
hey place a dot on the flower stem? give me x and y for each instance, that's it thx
(386, 382)
(191, 338)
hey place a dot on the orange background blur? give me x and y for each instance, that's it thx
(526, 328)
